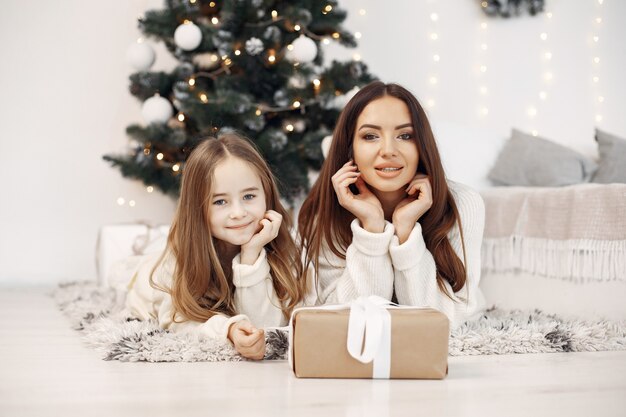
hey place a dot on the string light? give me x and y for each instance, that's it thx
(327, 9)
(237, 52)
(534, 133)
(192, 1)
(159, 156)
(146, 151)
(434, 17)
(430, 103)
(544, 36)
(271, 59)
(297, 28)
(362, 12)
(600, 99)
(483, 90)
(543, 95)
(356, 57)
(548, 76)
(483, 46)
(483, 25)
(258, 112)
(434, 36)
(532, 111)
(336, 35)
(274, 15)
(483, 68)
(296, 104)
(212, 4)
(121, 201)
(595, 68)
(175, 167)
(214, 58)
(433, 80)
(131, 203)
(289, 127)
(548, 55)
(357, 35)
(484, 111)
(596, 79)
(290, 47)
(598, 20)
(596, 60)
(181, 117)
(149, 188)
(204, 98)
(316, 83)
(192, 81)
(215, 20)
(326, 41)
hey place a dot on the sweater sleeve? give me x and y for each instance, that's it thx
(367, 269)
(255, 295)
(146, 302)
(415, 270)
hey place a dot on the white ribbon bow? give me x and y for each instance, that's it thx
(369, 334)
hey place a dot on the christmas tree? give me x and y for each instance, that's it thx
(255, 66)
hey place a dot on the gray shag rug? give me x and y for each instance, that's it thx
(97, 313)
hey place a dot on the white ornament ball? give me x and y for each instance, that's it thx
(304, 50)
(326, 142)
(188, 36)
(140, 55)
(157, 109)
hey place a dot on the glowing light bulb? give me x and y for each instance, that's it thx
(121, 201)
(192, 81)
(483, 25)
(274, 14)
(357, 35)
(297, 28)
(548, 55)
(483, 90)
(598, 118)
(483, 68)
(434, 17)
(356, 57)
(328, 8)
(434, 36)
(532, 112)
(212, 4)
(362, 12)
(543, 95)
(548, 76)
(237, 52)
(433, 80)
(431, 103)
(258, 112)
(484, 111)
(598, 20)
(149, 188)
(296, 104)
(159, 156)
(131, 203)
(289, 127)
(436, 58)
(596, 60)
(336, 35)
(483, 46)
(549, 14)
(326, 41)
(534, 133)
(215, 20)
(600, 99)
(543, 36)
(204, 98)
(316, 83)
(596, 79)
(181, 117)
(214, 58)
(600, 2)
(192, 1)
(271, 58)
(175, 167)
(596, 38)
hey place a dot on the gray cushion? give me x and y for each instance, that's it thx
(612, 150)
(527, 160)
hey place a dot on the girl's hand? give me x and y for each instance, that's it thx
(419, 199)
(248, 340)
(270, 226)
(365, 206)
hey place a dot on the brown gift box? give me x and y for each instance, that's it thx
(419, 344)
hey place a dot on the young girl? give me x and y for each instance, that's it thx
(382, 219)
(230, 265)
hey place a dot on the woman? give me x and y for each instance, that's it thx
(382, 219)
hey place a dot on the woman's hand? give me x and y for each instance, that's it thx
(270, 225)
(248, 340)
(365, 206)
(419, 199)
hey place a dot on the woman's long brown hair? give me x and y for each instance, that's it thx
(202, 286)
(322, 222)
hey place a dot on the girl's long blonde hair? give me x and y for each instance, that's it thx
(202, 283)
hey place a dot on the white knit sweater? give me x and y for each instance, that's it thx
(376, 264)
(255, 298)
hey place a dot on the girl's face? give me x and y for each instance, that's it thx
(237, 202)
(384, 145)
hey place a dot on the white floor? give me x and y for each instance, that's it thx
(46, 371)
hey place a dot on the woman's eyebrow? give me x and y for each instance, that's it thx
(245, 190)
(369, 126)
(379, 128)
(404, 125)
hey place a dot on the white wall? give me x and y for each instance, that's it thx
(64, 80)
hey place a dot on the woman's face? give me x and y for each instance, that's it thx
(384, 146)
